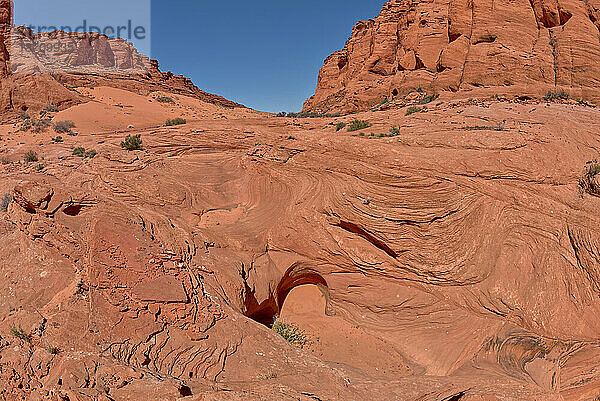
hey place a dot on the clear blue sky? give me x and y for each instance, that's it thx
(265, 54)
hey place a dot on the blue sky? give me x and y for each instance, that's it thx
(265, 54)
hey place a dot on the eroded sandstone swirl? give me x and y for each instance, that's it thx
(523, 47)
(469, 257)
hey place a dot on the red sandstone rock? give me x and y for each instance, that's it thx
(517, 48)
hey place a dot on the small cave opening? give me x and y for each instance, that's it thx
(395, 92)
(268, 310)
(419, 63)
(455, 397)
(342, 61)
(185, 391)
(72, 210)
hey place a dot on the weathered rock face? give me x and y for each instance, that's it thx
(517, 47)
(42, 68)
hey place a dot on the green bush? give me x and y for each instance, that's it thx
(415, 109)
(559, 94)
(395, 131)
(356, 125)
(31, 157)
(175, 121)
(24, 116)
(428, 99)
(165, 99)
(63, 127)
(132, 142)
(20, 334)
(340, 126)
(51, 108)
(290, 333)
(79, 151)
(57, 139)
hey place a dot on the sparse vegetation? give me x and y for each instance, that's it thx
(395, 131)
(309, 114)
(6, 199)
(290, 333)
(63, 127)
(50, 108)
(39, 167)
(52, 350)
(357, 125)
(5, 161)
(165, 99)
(20, 333)
(340, 126)
(31, 157)
(24, 116)
(132, 142)
(559, 94)
(588, 183)
(415, 109)
(428, 99)
(34, 124)
(175, 121)
(81, 152)
(498, 127)
(57, 139)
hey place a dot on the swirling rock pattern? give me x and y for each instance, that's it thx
(467, 258)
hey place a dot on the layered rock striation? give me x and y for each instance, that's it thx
(518, 47)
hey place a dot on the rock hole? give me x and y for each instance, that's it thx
(146, 361)
(60, 381)
(185, 391)
(267, 311)
(395, 92)
(455, 397)
(342, 61)
(565, 16)
(72, 210)
(487, 38)
(419, 64)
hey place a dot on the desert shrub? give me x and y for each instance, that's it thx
(497, 127)
(559, 94)
(63, 127)
(356, 125)
(395, 131)
(39, 167)
(6, 199)
(340, 126)
(290, 333)
(50, 108)
(52, 350)
(165, 99)
(30, 157)
(312, 114)
(24, 116)
(79, 151)
(175, 121)
(90, 154)
(5, 161)
(20, 333)
(428, 99)
(132, 142)
(57, 139)
(281, 114)
(587, 183)
(415, 109)
(39, 124)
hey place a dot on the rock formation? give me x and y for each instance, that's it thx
(522, 48)
(42, 68)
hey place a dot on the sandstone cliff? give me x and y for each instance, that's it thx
(34, 77)
(497, 47)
